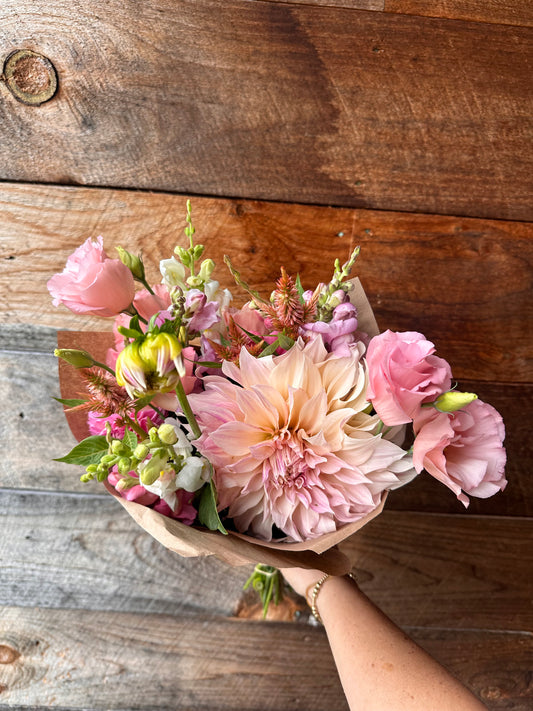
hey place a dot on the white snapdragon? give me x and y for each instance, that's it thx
(194, 473)
(173, 273)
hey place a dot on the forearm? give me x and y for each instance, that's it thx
(380, 667)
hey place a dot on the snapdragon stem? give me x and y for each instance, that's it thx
(186, 409)
(134, 426)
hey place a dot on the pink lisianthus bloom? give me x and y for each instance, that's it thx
(403, 375)
(291, 443)
(92, 283)
(97, 423)
(149, 304)
(464, 449)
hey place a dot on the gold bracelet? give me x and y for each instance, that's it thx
(314, 594)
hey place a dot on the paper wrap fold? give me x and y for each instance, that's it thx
(234, 549)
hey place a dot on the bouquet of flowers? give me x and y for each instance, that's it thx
(268, 432)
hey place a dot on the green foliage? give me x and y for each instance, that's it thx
(88, 451)
(267, 582)
(70, 402)
(207, 509)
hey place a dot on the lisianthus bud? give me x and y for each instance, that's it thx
(79, 359)
(133, 262)
(453, 401)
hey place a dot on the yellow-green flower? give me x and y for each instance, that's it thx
(453, 400)
(150, 365)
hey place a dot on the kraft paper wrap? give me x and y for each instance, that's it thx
(235, 549)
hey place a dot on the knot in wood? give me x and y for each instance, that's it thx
(8, 655)
(30, 77)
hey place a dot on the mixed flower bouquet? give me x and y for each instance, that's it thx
(280, 424)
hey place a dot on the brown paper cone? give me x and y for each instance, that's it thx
(235, 548)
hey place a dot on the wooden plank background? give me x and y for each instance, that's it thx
(391, 111)
(307, 127)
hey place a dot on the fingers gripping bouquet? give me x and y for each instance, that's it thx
(278, 425)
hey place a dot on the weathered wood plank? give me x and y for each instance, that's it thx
(425, 570)
(465, 284)
(84, 552)
(509, 12)
(420, 271)
(33, 427)
(447, 571)
(96, 660)
(276, 101)
(503, 12)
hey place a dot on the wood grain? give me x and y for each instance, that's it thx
(84, 552)
(95, 660)
(276, 101)
(509, 12)
(456, 572)
(420, 272)
(33, 426)
(504, 12)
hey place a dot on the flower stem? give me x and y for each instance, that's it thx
(134, 426)
(147, 286)
(186, 409)
(97, 364)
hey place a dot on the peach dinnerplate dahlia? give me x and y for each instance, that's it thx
(294, 450)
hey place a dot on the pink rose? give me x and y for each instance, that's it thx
(403, 374)
(462, 449)
(93, 284)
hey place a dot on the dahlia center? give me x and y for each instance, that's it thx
(287, 465)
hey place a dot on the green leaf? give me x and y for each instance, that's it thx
(300, 288)
(207, 510)
(285, 341)
(209, 363)
(130, 439)
(88, 451)
(255, 338)
(129, 332)
(70, 402)
(144, 401)
(134, 324)
(269, 350)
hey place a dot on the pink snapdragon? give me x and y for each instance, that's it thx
(92, 283)
(403, 375)
(203, 313)
(182, 508)
(339, 333)
(464, 449)
(145, 416)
